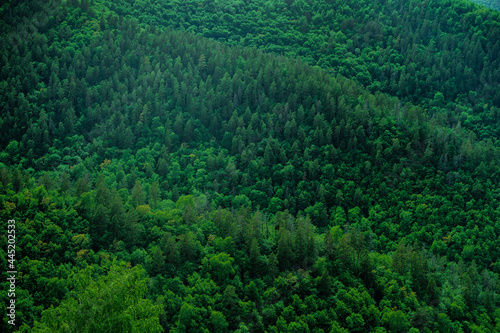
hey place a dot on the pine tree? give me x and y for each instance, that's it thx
(138, 195)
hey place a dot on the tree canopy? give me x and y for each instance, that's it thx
(251, 166)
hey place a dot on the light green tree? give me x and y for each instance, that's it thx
(112, 303)
(220, 266)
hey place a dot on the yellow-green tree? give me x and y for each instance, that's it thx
(112, 303)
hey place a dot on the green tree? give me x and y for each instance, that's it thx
(218, 322)
(189, 320)
(138, 194)
(219, 266)
(112, 303)
(396, 321)
(154, 194)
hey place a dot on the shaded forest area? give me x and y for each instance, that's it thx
(493, 4)
(238, 190)
(443, 55)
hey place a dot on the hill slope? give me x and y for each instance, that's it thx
(252, 187)
(493, 4)
(443, 55)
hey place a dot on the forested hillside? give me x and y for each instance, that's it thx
(347, 185)
(493, 4)
(440, 54)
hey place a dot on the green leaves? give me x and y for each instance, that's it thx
(111, 303)
(396, 321)
(164, 116)
(219, 266)
(218, 322)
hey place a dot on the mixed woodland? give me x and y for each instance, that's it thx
(251, 166)
(493, 4)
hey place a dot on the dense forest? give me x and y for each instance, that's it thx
(439, 54)
(493, 4)
(251, 166)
